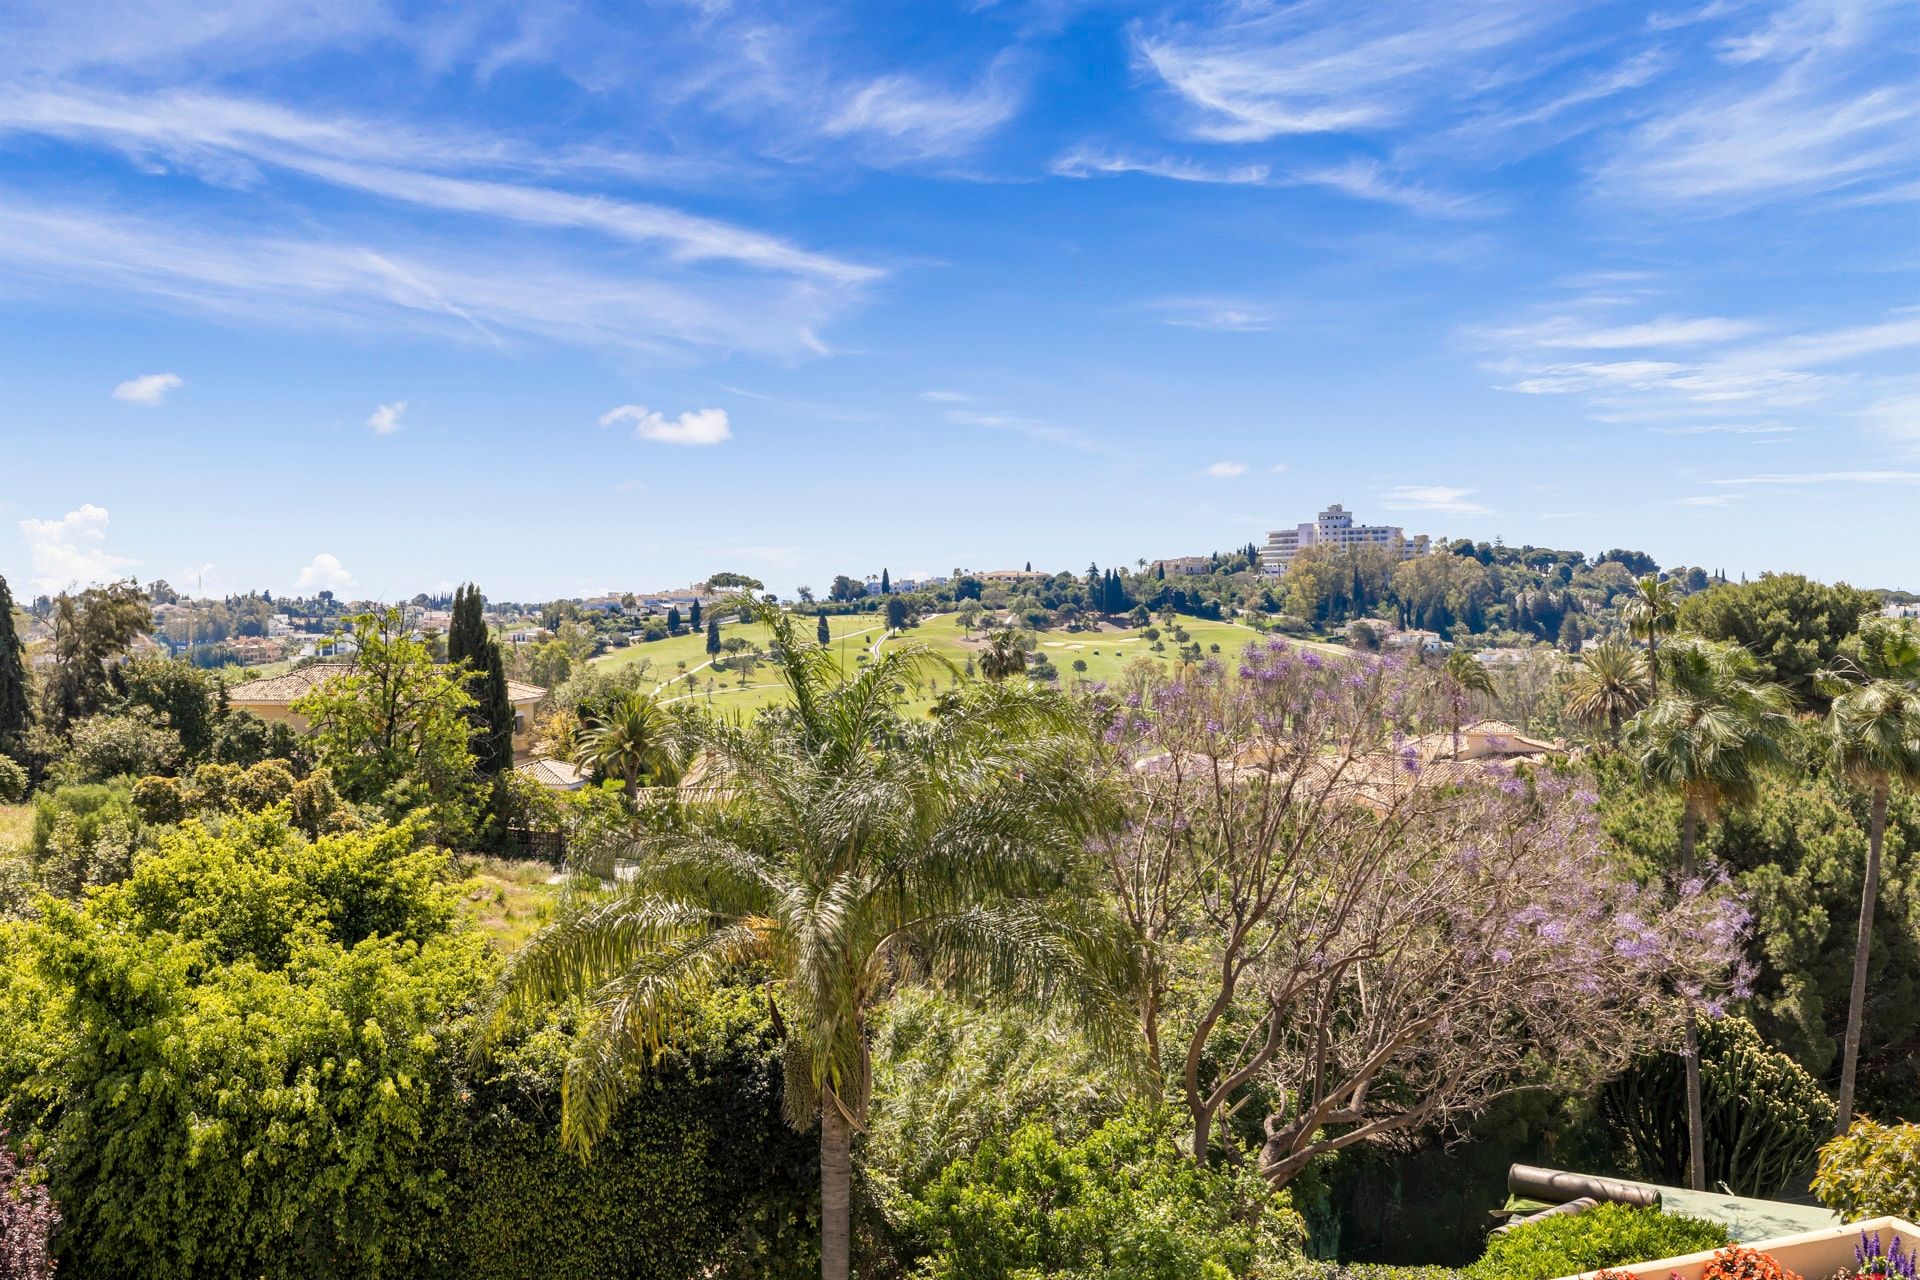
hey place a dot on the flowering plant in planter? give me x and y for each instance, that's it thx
(1872, 1258)
(1740, 1263)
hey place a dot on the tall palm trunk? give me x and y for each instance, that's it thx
(836, 1190)
(1862, 950)
(1696, 1109)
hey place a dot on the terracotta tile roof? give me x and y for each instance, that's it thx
(553, 773)
(280, 690)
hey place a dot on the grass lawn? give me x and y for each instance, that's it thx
(1105, 652)
(261, 671)
(664, 658)
(509, 899)
(15, 821)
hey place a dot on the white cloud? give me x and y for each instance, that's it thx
(71, 550)
(1711, 500)
(1819, 99)
(1665, 331)
(1031, 428)
(1277, 469)
(1319, 66)
(1440, 498)
(385, 420)
(1220, 315)
(325, 573)
(1730, 429)
(695, 426)
(240, 274)
(915, 120)
(148, 388)
(1359, 178)
(1227, 470)
(946, 397)
(1826, 477)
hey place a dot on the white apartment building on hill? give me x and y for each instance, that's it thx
(1335, 527)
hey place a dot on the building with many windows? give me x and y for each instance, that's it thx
(1335, 527)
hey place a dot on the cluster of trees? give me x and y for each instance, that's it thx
(1113, 983)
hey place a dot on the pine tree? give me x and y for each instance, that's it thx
(823, 632)
(693, 617)
(886, 586)
(15, 710)
(713, 636)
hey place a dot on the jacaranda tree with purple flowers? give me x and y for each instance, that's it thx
(1349, 935)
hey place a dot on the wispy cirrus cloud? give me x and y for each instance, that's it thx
(1444, 499)
(1811, 97)
(1871, 477)
(1226, 470)
(1217, 315)
(908, 117)
(1358, 178)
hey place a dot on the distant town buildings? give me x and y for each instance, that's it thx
(1335, 527)
(1183, 566)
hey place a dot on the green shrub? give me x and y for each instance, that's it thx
(262, 1028)
(1606, 1236)
(161, 801)
(128, 744)
(698, 1175)
(83, 834)
(1122, 1204)
(1871, 1171)
(13, 781)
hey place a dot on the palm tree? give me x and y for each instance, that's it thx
(1651, 611)
(1463, 676)
(1709, 738)
(1004, 655)
(1873, 740)
(841, 848)
(635, 739)
(1611, 688)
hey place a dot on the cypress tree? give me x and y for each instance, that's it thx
(673, 619)
(15, 710)
(471, 645)
(886, 586)
(693, 616)
(823, 632)
(713, 636)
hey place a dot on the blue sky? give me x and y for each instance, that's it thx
(381, 297)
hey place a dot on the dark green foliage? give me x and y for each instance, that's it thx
(181, 696)
(90, 630)
(896, 613)
(1793, 625)
(713, 634)
(821, 632)
(1122, 1203)
(693, 616)
(1797, 853)
(260, 1027)
(243, 738)
(82, 835)
(698, 1171)
(1606, 1236)
(16, 711)
(470, 644)
(13, 780)
(1765, 1116)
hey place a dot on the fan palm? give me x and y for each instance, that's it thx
(635, 739)
(1709, 738)
(1611, 687)
(1873, 740)
(1004, 656)
(838, 847)
(1651, 610)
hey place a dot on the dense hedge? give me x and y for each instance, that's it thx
(698, 1172)
(1606, 1236)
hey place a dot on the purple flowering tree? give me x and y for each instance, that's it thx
(1363, 937)
(28, 1217)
